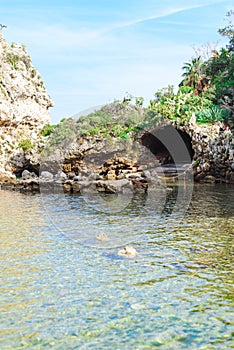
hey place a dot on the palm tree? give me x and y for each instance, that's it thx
(194, 75)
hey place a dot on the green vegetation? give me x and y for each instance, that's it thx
(178, 106)
(26, 145)
(207, 88)
(212, 114)
(213, 78)
(60, 136)
(220, 68)
(12, 59)
(117, 119)
(47, 130)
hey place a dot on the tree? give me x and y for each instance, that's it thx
(2, 26)
(220, 68)
(228, 31)
(213, 78)
(194, 75)
(206, 50)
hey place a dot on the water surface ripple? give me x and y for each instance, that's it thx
(61, 289)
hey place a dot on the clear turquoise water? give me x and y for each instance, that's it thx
(62, 289)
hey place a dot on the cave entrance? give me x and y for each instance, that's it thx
(175, 141)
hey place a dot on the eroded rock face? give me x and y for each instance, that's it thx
(24, 103)
(91, 164)
(213, 147)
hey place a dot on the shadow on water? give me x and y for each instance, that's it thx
(212, 200)
(82, 220)
(207, 200)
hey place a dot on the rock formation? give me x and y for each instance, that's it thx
(24, 105)
(128, 252)
(213, 146)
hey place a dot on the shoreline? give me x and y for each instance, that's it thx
(100, 186)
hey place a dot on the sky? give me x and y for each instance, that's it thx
(90, 52)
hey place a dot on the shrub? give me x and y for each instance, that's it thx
(115, 119)
(180, 105)
(63, 133)
(12, 59)
(47, 130)
(26, 145)
(213, 114)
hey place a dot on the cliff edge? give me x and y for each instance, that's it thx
(24, 103)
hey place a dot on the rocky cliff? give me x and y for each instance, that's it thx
(24, 104)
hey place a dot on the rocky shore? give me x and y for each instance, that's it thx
(121, 166)
(130, 178)
(97, 166)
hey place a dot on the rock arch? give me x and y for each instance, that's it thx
(160, 150)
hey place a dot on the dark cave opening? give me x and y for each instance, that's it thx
(163, 139)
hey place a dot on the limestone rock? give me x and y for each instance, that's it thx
(46, 176)
(24, 103)
(61, 176)
(27, 175)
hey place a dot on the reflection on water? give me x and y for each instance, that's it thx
(56, 293)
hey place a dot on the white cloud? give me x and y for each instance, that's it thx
(163, 13)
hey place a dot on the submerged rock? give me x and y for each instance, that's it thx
(102, 237)
(27, 175)
(128, 252)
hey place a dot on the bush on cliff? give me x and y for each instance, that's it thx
(178, 106)
(47, 130)
(63, 133)
(117, 119)
(26, 145)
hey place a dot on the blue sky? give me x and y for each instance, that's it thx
(90, 52)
